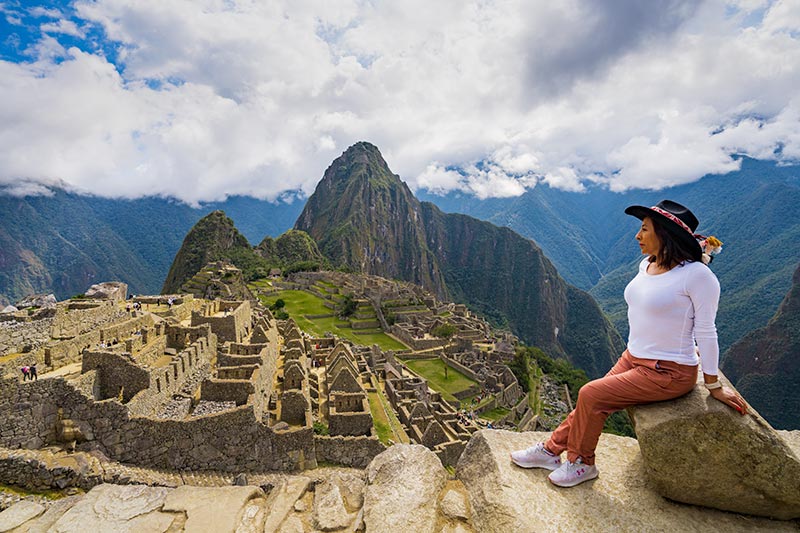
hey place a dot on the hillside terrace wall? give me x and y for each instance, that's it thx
(356, 452)
(16, 336)
(231, 441)
(74, 318)
(68, 351)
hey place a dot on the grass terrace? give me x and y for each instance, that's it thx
(300, 304)
(495, 414)
(433, 371)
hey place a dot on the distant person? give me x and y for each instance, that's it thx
(672, 302)
(32, 372)
(25, 372)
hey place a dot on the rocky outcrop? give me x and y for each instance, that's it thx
(506, 498)
(109, 290)
(37, 300)
(403, 485)
(700, 451)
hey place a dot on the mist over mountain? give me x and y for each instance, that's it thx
(754, 211)
(365, 218)
(65, 242)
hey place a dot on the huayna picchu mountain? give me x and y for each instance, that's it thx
(215, 238)
(364, 217)
(764, 364)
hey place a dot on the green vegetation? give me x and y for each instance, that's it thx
(379, 418)
(495, 414)
(299, 304)
(530, 362)
(447, 383)
(347, 307)
(320, 428)
(444, 331)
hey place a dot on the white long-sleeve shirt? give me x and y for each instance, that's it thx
(668, 312)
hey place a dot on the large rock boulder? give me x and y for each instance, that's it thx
(403, 486)
(109, 290)
(506, 498)
(700, 451)
(37, 300)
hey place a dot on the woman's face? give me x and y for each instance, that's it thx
(649, 242)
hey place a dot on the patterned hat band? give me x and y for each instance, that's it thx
(673, 218)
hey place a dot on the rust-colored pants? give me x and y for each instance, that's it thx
(632, 381)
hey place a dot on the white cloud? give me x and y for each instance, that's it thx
(217, 97)
(67, 27)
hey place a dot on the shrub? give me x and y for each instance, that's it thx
(320, 428)
(444, 331)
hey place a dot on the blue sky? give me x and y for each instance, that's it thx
(199, 99)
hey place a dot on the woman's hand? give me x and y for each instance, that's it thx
(730, 397)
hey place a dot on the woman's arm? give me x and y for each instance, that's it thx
(703, 289)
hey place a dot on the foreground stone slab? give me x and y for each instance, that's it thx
(282, 499)
(18, 514)
(506, 498)
(699, 451)
(56, 510)
(218, 509)
(403, 486)
(115, 508)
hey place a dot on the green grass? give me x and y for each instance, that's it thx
(433, 371)
(301, 303)
(379, 419)
(495, 414)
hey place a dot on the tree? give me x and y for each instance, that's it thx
(348, 306)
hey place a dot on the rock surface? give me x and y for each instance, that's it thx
(505, 497)
(130, 508)
(37, 300)
(110, 290)
(18, 514)
(698, 450)
(217, 509)
(403, 486)
(329, 512)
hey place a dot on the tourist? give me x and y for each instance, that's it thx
(672, 302)
(25, 371)
(32, 372)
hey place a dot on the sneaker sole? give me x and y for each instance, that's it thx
(532, 465)
(573, 483)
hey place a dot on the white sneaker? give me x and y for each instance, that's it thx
(536, 457)
(571, 474)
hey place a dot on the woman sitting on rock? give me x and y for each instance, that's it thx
(672, 302)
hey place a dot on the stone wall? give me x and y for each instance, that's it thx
(233, 325)
(169, 379)
(68, 351)
(29, 470)
(74, 318)
(13, 367)
(226, 390)
(231, 441)
(118, 375)
(17, 336)
(348, 451)
(415, 343)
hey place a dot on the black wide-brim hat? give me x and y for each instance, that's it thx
(676, 219)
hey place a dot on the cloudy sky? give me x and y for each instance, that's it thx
(199, 99)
